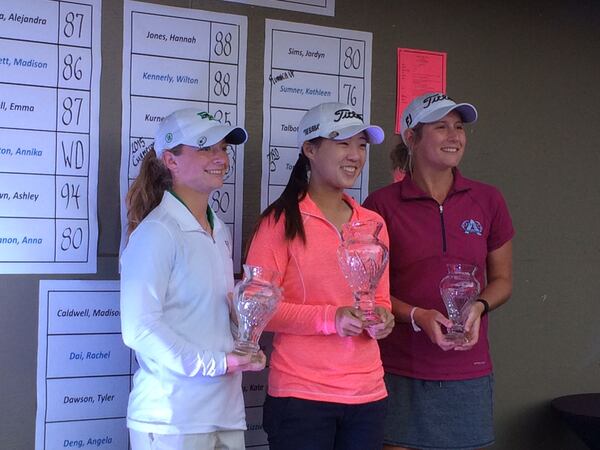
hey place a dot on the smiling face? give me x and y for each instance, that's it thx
(201, 170)
(336, 164)
(441, 144)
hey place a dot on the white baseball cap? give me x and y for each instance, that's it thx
(196, 128)
(336, 121)
(432, 107)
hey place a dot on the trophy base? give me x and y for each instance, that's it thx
(246, 348)
(458, 337)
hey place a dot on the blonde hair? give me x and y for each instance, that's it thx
(148, 188)
(402, 155)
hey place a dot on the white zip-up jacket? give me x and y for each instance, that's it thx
(174, 313)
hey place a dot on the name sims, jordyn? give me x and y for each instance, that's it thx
(172, 37)
(306, 53)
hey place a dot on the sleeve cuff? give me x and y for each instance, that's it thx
(221, 366)
(211, 364)
(329, 320)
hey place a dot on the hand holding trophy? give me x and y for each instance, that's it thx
(459, 289)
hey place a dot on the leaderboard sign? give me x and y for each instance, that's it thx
(85, 372)
(49, 106)
(84, 369)
(176, 58)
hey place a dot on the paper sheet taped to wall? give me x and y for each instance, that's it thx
(49, 115)
(419, 72)
(306, 65)
(177, 58)
(84, 371)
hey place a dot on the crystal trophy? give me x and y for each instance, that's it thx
(459, 289)
(363, 259)
(255, 300)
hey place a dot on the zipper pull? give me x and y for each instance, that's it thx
(441, 209)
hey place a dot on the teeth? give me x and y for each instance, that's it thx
(348, 169)
(215, 172)
(449, 149)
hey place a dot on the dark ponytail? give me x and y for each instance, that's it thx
(288, 203)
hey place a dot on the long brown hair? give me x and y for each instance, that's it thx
(148, 188)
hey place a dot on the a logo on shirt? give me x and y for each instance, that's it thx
(228, 244)
(472, 226)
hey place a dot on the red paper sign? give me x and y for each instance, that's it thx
(419, 72)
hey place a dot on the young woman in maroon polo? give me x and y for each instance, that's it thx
(440, 390)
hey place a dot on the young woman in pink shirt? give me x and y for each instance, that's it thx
(326, 388)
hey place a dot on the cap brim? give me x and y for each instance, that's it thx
(467, 112)
(236, 136)
(375, 134)
(231, 135)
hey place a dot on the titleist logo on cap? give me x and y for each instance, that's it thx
(346, 114)
(428, 101)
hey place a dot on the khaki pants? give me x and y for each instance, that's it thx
(217, 440)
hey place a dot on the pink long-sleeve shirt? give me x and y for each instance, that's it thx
(310, 360)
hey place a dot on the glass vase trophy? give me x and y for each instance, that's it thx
(255, 300)
(363, 258)
(459, 289)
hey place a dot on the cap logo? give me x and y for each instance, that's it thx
(346, 114)
(311, 129)
(169, 138)
(201, 141)
(428, 101)
(408, 120)
(333, 134)
(205, 115)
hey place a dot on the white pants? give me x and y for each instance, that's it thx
(217, 440)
